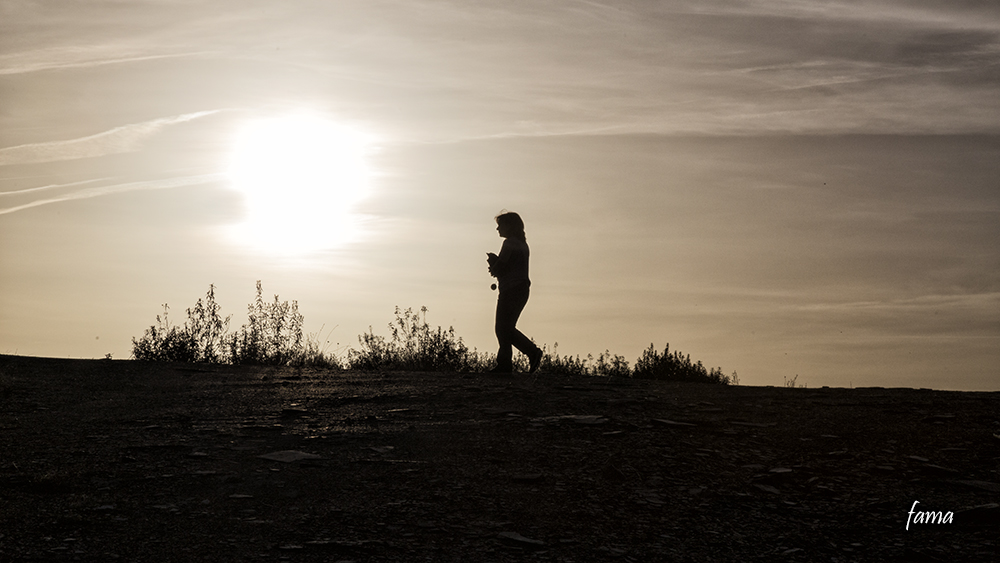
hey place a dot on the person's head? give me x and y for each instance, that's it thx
(509, 224)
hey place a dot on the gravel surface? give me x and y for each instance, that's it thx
(106, 460)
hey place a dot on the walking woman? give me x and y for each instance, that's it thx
(510, 269)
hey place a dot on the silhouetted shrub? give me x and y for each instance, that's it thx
(206, 328)
(272, 337)
(606, 364)
(164, 342)
(414, 346)
(611, 365)
(555, 364)
(674, 366)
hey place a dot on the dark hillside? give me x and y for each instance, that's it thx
(122, 460)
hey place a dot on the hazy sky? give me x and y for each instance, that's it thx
(776, 187)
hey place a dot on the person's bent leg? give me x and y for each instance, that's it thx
(528, 348)
(523, 343)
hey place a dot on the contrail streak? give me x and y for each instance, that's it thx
(25, 68)
(120, 188)
(52, 187)
(113, 141)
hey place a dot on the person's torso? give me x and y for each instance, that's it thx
(515, 253)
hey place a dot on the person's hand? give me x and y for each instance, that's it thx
(491, 259)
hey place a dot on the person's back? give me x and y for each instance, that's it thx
(513, 264)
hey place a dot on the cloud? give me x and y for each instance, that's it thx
(441, 70)
(743, 68)
(74, 59)
(51, 187)
(956, 15)
(958, 316)
(126, 138)
(161, 184)
(979, 302)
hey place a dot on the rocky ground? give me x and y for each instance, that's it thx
(117, 460)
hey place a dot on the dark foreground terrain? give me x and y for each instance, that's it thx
(118, 460)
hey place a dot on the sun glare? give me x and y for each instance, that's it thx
(301, 177)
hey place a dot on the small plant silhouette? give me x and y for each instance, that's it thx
(273, 335)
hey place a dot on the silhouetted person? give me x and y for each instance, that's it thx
(510, 269)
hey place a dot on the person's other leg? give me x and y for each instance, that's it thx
(509, 306)
(525, 345)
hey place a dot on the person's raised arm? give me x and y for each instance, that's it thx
(500, 264)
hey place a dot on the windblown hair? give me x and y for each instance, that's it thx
(513, 222)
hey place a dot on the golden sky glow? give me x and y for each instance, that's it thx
(776, 187)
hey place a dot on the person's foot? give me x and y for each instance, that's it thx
(534, 361)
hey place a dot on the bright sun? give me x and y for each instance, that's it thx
(301, 176)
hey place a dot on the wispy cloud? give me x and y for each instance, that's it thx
(50, 187)
(747, 67)
(119, 188)
(76, 58)
(982, 302)
(126, 138)
(454, 70)
(955, 15)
